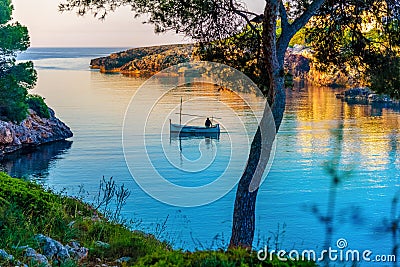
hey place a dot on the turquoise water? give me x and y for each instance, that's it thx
(94, 104)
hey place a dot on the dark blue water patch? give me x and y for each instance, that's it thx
(33, 161)
(202, 158)
(38, 53)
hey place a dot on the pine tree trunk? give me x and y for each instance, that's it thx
(244, 211)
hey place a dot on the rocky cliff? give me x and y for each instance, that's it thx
(297, 62)
(145, 60)
(32, 131)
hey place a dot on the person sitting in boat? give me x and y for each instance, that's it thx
(208, 123)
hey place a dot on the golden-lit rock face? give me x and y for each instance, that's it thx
(145, 60)
(6, 136)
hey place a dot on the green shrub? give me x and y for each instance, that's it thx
(36, 103)
(27, 209)
(122, 241)
(12, 96)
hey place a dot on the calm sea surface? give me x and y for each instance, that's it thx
(296, 189)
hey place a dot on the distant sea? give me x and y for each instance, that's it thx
(74, 58)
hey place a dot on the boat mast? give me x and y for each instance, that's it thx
(180, 114)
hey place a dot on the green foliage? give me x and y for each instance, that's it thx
(364, 36)
(122, 242)
(235, 257)
(14, 37)
(204, 20)
(36, 103)
(384, 75)
(15, 79)
(14, 84)
(5, 11)
(26, 209)
(240, 51)
(300, 38)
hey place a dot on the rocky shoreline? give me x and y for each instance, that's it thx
(364, 95)
(144, 60)
(32, 131)
(52, 251)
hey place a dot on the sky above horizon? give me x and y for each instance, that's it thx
(50, 28)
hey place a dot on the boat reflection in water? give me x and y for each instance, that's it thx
(194, 135)
(208, 137)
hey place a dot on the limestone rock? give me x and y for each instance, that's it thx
(32, 131)
(53, 249)
(297, 64)
(76, 251)
(149, 60)
(37, 257)
(144, 60)
(4, 255)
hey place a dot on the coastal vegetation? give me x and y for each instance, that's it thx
(25, 120)
(15, 79)
(36, 103)
(30, 214)
(362, 41)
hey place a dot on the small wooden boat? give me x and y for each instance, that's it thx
(178, 128)
(192, 130)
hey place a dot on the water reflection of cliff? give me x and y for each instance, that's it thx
(34, 162)
(371, 133)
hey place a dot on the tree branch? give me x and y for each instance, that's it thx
(301, 21)
(242, 11)
(248, 12)
(249, 23)
(246, 18)
(289, 30)
(283, 14)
